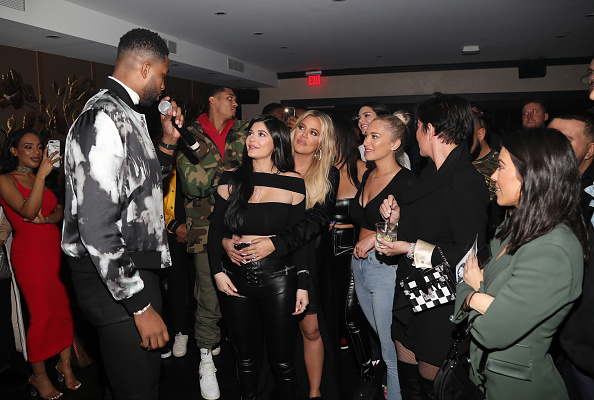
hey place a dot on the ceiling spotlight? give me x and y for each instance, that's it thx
(561, 36)
(470, 50)
(378, 56)
(284, 47)
(338, 1)
(53, 37)
(220, 13)
(258, 33)
(590, 15)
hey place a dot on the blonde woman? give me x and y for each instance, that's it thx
(373, 272)
(313, 143)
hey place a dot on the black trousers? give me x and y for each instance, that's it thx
(267, 291)
(181, 272)
(352, 321)
(132, 371)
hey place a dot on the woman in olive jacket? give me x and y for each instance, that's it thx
(525, 292)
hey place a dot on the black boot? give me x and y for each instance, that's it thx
(427, 389)
(410, 381)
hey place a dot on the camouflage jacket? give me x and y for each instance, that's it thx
(200, 176)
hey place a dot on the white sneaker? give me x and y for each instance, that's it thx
(216, 351)
(209, 387)
(180, 345)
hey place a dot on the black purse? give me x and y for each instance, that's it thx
(430, 287)
(452, 381)
(343, 241)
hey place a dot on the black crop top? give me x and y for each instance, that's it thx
(261, 219)
(366, 217)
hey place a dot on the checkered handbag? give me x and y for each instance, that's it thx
(430, 287)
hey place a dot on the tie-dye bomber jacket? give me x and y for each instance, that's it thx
(113, 211)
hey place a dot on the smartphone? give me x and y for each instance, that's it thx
(240, 246)
(483, 256)
(53, 146)
(289, 112)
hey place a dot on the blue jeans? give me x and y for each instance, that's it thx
(375, 283)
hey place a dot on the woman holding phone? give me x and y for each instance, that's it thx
(33, 211)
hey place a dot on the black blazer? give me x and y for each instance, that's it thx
(448, 208)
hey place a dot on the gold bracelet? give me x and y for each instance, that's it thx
(142, 310)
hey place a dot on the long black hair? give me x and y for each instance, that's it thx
(347, 151)
(550, 189)
(241, 183)
(10, 162)
(378, 108)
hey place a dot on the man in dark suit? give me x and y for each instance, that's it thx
(577, 336)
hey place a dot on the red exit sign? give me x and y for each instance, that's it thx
(314, 80)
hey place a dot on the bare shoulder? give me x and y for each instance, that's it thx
(361, 168)
(6, 179)
(224, 191)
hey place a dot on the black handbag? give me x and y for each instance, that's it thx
(430, 287)
(343, 241)
(452, 381)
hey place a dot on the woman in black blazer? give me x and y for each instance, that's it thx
(448, 209)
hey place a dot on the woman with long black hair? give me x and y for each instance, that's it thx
(349, 316)
(33, 211)
(260, 198)
(525, 292)
(313, 149)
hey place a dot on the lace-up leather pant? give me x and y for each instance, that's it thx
(268, 293)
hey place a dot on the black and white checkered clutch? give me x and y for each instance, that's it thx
(430, 287)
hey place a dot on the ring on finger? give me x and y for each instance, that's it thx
(254, 256)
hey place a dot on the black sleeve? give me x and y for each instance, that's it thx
(300, 255)
(166, 160)
(216, 232)
(316, 221)
(467, 202)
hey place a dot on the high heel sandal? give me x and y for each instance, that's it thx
(61, 380)
(35, 392)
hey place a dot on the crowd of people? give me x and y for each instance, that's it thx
(274, 220)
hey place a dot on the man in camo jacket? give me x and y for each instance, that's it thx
(222, 139)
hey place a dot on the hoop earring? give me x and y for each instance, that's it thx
(318, 155)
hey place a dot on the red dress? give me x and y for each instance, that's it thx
(35, 255)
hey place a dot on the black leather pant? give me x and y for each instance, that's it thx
(268, 293)
(353, 317)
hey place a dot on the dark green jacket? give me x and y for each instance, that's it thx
(534, 290)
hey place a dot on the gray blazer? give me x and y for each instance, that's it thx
(534, 290)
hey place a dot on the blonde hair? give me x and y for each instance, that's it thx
(316, 176)
(397, 125)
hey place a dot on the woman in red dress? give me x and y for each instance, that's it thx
(33, 211)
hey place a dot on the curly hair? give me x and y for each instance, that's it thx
(141, 39)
